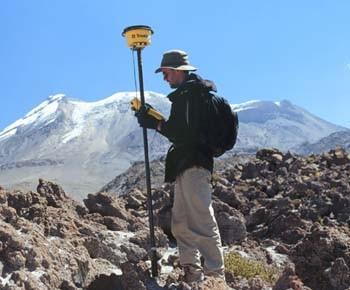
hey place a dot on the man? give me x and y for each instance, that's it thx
(190, 164)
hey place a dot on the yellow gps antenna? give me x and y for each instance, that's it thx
(138, 37)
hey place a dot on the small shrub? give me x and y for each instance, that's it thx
(243, 267)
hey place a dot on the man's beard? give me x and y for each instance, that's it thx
(174, 86)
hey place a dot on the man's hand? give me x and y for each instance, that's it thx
(144, 119)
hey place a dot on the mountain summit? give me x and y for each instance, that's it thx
(84, 145)
(81, 144)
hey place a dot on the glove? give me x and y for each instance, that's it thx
(144, 119)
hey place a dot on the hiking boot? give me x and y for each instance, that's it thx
(193, 274)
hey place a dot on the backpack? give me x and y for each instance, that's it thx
(220, 129)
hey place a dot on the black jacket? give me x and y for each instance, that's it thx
(184, 127)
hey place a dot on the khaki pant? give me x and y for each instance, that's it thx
(193, 222)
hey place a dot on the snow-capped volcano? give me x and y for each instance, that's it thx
(84, 145)
(278, 124)
(80, 144)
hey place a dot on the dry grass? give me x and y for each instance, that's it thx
(243, 267)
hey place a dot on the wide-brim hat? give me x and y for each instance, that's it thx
(175, 59)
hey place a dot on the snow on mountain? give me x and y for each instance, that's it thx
(80, 144)
(278, 124)
(84, 145)
(40, 114)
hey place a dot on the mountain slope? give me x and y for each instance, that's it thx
(340, 139)
(82, 145)
(278, 124)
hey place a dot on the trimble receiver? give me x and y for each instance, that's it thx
(138, 36)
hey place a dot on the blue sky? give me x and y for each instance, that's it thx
(268, 50)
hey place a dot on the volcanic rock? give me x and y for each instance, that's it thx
(276, 208)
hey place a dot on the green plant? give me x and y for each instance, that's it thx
(243, 267)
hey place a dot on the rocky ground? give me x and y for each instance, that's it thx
(288, 212)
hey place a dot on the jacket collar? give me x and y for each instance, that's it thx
(193, 80)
